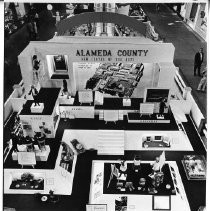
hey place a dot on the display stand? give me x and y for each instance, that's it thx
(37, 108)
(26, 159)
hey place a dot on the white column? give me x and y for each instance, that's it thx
(187, 90)
(98, 29)
(109, 29)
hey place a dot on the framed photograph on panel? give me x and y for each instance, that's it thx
(96, 207)
(161, 203)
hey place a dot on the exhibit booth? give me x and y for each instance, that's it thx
(42, 181)
(77, 59)
(123, 194)
(94, 70)
(118, 82)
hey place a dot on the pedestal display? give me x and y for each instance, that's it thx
(195, 167)
(37, 108)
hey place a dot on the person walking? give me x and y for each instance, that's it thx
(198, 60)
(203, 81)
(157, 8)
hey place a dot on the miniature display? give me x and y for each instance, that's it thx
(27, 181)
(138, 183)
(195, 167)
(156, 143)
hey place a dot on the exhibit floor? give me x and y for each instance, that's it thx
(195, 190)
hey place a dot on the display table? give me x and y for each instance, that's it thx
(40, 155)
(134, 202)
(195, 167)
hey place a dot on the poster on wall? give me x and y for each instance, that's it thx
(96, 207)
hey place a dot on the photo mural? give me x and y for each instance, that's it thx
(116, 79)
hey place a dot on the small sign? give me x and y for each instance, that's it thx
(96, 207)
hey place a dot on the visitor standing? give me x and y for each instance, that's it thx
(203, 81)
(198, 60)
(157, 8)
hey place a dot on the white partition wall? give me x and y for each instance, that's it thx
(166, 75)
(92, 50)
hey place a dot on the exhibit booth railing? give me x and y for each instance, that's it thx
(196, 113)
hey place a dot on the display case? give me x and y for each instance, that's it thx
(195, 167)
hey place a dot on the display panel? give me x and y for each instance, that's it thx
(85, 96)
(161, 202)
(146, 108)
(116, 79)
(156, 95)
